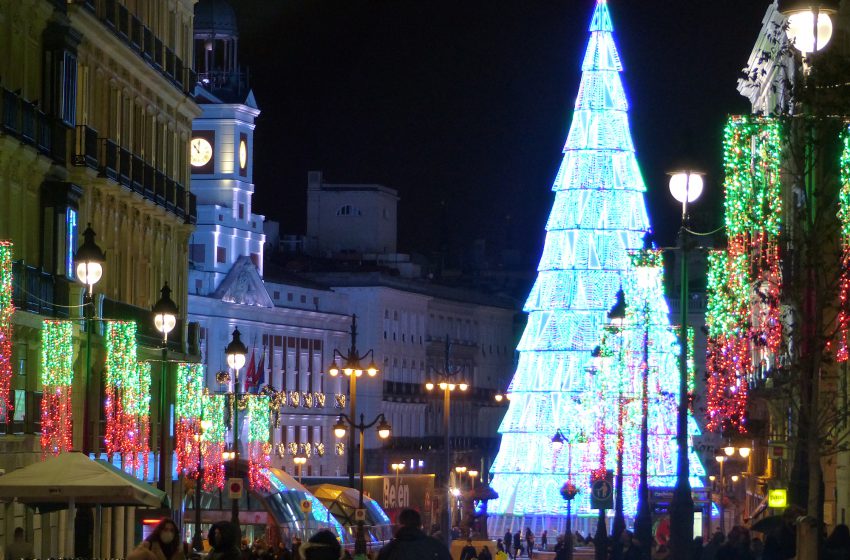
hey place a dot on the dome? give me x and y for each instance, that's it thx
(215, 18)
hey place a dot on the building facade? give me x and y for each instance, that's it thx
(96, 119)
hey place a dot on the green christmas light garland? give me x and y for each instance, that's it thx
(7, 308)
(188, 410)
(259, 449)
(844, 218)
(744, 282)
(57, 376)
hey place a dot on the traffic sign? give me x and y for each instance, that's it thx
(234, 488)
(306, 506)
(602, 492)
(360, 515)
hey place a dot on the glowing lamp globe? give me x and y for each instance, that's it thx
(499, 397)
(729, 450)
(334, 371)
(745, 452)
(801, 31)
(686, 186)
(236, 351)
(372, 369)
(339, 428)
(89, 259)
(443, 385)
(165, 312)
(299, 459)
(384, 429)
(429, 386)
(463, 386)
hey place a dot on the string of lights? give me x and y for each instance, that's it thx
(842, 353)
(744, 281)
(188, 408)
(7, 308)
(57, 375)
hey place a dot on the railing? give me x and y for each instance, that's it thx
(25, 121)
(141, 39)
(37, 291)
(85, 153)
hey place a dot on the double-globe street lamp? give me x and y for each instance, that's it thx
(686, 186)
(340, 428)
(569, 490)
(728, 454)
(300, 460)
(445, 381)
(352, 369)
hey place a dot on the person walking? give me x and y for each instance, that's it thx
(508, 540)
(224, 540)
(411, 543)
(19, 547)
(529, 542)
(485, 553)
(162, 544)
(468, 552)
(517, 544)
(544, 541)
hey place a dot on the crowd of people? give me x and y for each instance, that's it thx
(412, 543)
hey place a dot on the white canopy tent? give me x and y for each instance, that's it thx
(70, 479)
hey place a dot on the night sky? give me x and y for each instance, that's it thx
(467, 103)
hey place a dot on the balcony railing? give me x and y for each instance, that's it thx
(40, 292)
(142, 40)
(26, 122)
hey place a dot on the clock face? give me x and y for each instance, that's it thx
(201, 151)
(243, 154)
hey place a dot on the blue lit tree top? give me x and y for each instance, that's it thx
(596, 226)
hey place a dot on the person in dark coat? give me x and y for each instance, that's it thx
(411, 543)
(517, 544)
(321, 546)
(224, 540)
(837, 545)
(507, 542)
(468, 552)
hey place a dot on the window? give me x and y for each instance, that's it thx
(196, 252)
(277, 295)
(220, 255)
(316, 301)
(241, 211)
(221, 217)
(303, 299)
(289, 296)
(348, 210)
(199, 285)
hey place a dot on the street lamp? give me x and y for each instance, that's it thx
(164, 318)
(90, 260)
(397, 467)
(685, 186)
(235, 352)
(447, 386)
(472, 476)
(299, 461)
(721, 460)
(352, 369)
(617, 317)
(384, 430)
(198, 537)
(809, 26)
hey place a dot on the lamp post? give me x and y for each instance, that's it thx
(236, 352)
(352, 369)
(617, 316)
(90, 260)
(384, 430)
(444, 382)
(809, 26)
(397, 467)
(472, 476)
(643, 519)
(165, 318)
(198, 538)
(299, 461)
(685, 186)
(568, 490)
(729, 452)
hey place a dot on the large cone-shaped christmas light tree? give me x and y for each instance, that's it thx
(593, 236)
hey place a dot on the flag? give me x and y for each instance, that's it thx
(261, 372)
(251, 372)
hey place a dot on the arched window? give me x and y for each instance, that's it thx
(348, 210)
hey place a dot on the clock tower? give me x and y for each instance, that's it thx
(221, 153)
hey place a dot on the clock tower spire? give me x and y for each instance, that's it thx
(222, 153)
